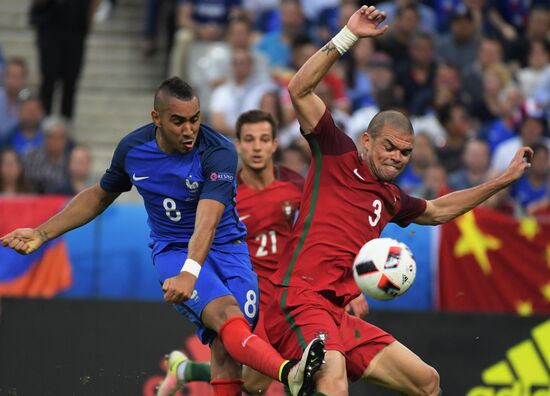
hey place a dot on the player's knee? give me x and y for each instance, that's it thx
(334, 385)
(429, 385)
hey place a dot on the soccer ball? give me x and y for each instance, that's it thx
(384, 268)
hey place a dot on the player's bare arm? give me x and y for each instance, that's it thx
(309, 107)
(180, 287)
(447, 207)
(83, 208)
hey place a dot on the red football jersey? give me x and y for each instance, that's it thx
(268, 215)
(343, 206)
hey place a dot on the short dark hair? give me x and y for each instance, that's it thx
(540, 146)
(254, 117)
(174, 87)
(392, 118)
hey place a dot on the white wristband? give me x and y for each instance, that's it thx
(344, 40)
(192, 267)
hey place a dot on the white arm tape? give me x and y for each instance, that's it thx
(344, 40)
(192, 267)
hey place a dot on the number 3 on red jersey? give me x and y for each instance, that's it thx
(377, 204)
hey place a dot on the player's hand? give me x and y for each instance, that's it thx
(179, 288)
(518, 165)
(23, 240)
(365, 22)
(358, 306)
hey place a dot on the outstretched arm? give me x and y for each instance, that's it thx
(83, 208)
(309, 107)
(180, 287)
(447, 207)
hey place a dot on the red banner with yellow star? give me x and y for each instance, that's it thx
(490, 262)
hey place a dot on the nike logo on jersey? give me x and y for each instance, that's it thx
(248, 338)
(138, 178)
(243, 218)
(357, 174)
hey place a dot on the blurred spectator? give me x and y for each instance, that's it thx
(241, 93)
(12, 180)
(13, 91)
(531, 132)
(489, 53)
(314, 9)
(80, 172)
(448, 87)
(538, 28)
(444, 11)
(487, 107)
(326, 18)
(27, 134)
(46, 167)
(423, 156)
(296, 158)
(61, 30)
(475, 165)
(541, 94)
(215, 65)
(155, 11)
(428, 20)
(456, 121)
(397, 39)
(532, 187)
(357, 74)
(276, 46)
(386, 94)
(271, 103)
(538, 61)
(510, 102)
(502, 201)
(509, 17)
(264, 13)
(417, 73)
(199, 21)
(435, 183)
(459, 47)
(302, 49)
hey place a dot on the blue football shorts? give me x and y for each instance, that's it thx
(226, 270)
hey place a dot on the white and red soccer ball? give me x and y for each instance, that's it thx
(384, 268)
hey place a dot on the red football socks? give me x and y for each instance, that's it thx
(227, 387)
(249, 349)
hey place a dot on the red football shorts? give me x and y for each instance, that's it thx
(295, 316)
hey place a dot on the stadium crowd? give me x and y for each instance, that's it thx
(472, 75)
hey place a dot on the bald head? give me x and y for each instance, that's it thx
(390, 118)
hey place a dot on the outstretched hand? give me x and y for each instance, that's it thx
(518, 165)
(365, 22)
(23, 240)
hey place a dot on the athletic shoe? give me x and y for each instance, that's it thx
(170, 385)
(300, 377)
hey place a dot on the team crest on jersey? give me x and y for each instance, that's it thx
(288, 210)
(191, 186)
(322, 335)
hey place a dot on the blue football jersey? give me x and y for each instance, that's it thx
(172, 184)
